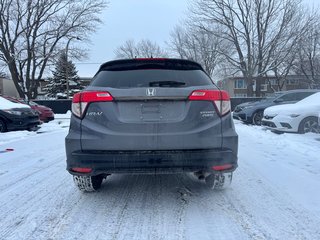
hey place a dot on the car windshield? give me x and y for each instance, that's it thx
(274, 95)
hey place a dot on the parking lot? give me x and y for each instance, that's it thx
(277, 174)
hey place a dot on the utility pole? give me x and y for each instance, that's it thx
(67, 70)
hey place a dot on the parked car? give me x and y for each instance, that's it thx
(151, 116)
(252, 112)
(45, 114)
(17, 116)
(301, 117)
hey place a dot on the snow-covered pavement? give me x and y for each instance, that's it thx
(275, 194)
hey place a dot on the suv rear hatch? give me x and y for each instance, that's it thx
(151, 104)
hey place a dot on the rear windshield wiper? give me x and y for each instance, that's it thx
(166, 84)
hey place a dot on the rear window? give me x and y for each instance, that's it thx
(151, 78)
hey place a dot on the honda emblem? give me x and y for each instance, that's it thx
(151, 92)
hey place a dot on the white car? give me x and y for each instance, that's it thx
(301, 117)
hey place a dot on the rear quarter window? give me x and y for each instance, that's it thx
(150, 78)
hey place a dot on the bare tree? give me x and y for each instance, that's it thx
(127, 50)
(196, 44)
(144, 48)
(308, 62)
(257, 30)
(33, 32)
(281, 72)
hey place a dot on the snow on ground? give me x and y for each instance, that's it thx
(274, 195)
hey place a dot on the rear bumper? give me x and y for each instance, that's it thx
(106, 162)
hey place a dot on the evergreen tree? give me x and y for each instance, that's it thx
(57, 86)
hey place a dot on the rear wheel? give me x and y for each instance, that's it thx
(309, 124)
(219, 181)
(257, 118)
(88, 183)
(3, 126)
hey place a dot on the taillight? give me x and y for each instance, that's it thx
(81, 101)
(222, 167)
(221, 99)
(81, 170)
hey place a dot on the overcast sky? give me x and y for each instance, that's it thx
(131, 19)
(134, 19)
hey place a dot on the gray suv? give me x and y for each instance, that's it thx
(151, 116)
(252, 112)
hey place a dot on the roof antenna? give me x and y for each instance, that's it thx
(151, 56)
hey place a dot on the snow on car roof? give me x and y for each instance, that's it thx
(6, 104)
(312, 99)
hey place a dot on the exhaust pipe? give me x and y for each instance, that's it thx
(201, 175)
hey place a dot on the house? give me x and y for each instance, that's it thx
(85, 81)
(237, 87)
(7, 87)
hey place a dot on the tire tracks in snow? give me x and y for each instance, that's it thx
(278, 218)
(23, 176)
(147, 207)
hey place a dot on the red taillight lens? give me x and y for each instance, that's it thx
(222, 167)
(81, 170)
(81, 100)
(220, 98)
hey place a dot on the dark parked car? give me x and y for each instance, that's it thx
(252, 112)
(16, 116)
(151, 116)
(45, 114)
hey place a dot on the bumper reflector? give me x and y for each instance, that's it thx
(222, 167)
(81, 170)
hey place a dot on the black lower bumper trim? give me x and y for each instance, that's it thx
(268, 124)
(150, 161)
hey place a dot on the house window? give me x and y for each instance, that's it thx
(240, 84)
(292, 82)
(273, 81)
(264, 87)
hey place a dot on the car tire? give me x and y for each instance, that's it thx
(257, 118)
(88, 183)
(3, 126)
(219, 181)
(309, 124)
